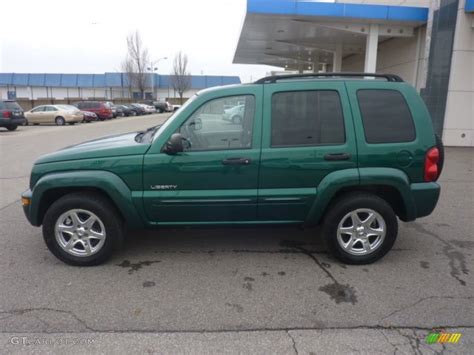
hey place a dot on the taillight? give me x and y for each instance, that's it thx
(431, 164)
(6, 114)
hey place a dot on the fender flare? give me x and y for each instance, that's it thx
(335, 181)
(109, 183)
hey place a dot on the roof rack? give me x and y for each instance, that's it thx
(275, 78)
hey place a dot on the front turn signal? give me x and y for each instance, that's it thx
(25, 201)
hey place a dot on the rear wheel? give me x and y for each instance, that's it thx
(360, 228)
(60, 121)
(82, 229)
(12, 128)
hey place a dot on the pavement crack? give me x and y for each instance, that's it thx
(293, 342)
(457, 260)
(422, 300)
(336, 291)
(23, 311)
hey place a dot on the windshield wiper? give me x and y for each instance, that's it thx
(141, 134)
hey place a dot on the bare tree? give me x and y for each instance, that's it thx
(135, 63)
(180, 77)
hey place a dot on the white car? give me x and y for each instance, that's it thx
(149, 109)
(234, 114)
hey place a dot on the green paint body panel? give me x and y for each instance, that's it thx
(280, 185)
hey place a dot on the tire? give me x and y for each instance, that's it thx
(12, 128)
(339, 216)
(60, 121)
(72, 123)
(107, 222)
(440, 146)
(26, 123)
(236, 119)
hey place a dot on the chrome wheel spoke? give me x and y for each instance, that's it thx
(355, 218)
(89, 222)
(96, 235)
(370, 219)
(87, 246)
(366, 245)
(347, 230)
(70, 244)
(63, 228)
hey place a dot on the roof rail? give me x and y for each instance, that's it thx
(275, 78)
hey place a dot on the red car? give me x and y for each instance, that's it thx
(101, 109)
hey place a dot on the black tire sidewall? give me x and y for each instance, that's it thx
(100, 207)
(350, 203)
(12, 128)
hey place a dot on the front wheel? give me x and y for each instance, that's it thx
(82, 229)
(12, 128)
(60, 121)
(360, 228)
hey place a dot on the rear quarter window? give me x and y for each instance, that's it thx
(386, 116)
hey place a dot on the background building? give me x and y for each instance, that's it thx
(429, 43)
(109, 86)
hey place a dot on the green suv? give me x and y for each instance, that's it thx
(350, 152)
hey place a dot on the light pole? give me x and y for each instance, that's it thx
(152, 69)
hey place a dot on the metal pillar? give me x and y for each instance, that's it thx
(337, 59)
(371, 49)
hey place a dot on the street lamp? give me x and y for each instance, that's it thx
(152, 69)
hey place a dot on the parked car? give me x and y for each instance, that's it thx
(139, 109)
(101, 109)
(89, 116)
(162, 106)
(234, 114)
(11, 115)
(127, 110)
(57, 114)
(118, 111)
(352, 154)
(149, 109)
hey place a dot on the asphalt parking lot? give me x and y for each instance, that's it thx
(265, 290)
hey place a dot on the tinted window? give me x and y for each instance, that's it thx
(221, 124)
(302, 118)
(38, 109)
(10, 105)
(385, 116)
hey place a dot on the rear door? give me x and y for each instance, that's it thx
(307, 134)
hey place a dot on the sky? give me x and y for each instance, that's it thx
(49, 36)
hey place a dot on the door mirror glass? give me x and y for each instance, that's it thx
(175, 144)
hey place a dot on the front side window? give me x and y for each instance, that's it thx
(307, 118)
(385, 116)
(38, 109)
(221, 124)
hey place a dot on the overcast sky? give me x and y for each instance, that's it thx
(88, 36)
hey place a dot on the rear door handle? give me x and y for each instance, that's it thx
(236, 161)
(337, 156)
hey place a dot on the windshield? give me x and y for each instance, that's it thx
(168, 121)
(149, 134)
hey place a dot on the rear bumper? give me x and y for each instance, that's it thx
(12, 121)
(425, 197)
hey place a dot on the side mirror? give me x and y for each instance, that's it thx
(175, 144)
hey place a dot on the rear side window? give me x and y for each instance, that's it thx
(306, 118)
(10, 105)
(385, 116)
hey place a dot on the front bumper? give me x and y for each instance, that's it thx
(27, 207)
(17, 121)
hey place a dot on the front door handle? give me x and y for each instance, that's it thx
(337, 156)
(236, 161)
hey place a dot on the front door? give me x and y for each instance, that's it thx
(307, 134)
(215, 178)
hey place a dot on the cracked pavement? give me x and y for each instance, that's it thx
(272, 290)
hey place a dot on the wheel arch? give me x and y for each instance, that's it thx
(390, 184)
(51, 187)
